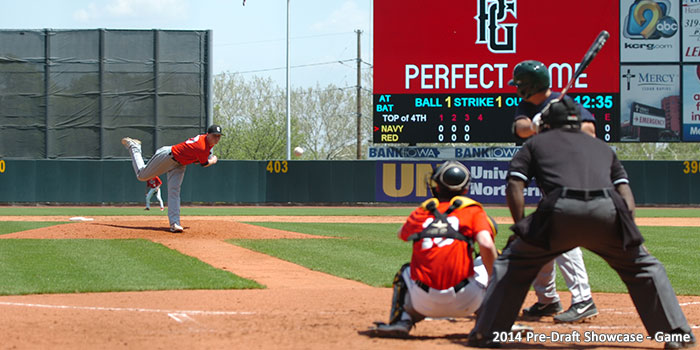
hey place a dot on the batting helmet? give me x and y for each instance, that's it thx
(561, 113)
(530, 77)
(449, 179)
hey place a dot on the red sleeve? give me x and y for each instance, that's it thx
(158, 181)
(480, 221)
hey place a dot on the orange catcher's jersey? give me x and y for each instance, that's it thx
(194, 150)
(442, 263)
(154, 182)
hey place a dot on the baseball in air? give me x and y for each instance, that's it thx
(298, 151)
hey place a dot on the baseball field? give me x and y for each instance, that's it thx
(271, 278)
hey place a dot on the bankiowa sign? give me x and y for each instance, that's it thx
(406, 182)
(491, 153)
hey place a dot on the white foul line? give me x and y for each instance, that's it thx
(99, 308)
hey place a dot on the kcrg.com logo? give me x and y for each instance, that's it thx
(649, 19)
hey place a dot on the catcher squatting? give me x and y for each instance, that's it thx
(593, 193)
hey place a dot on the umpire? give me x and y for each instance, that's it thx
(587, 202)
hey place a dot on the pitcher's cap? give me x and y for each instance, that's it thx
(214, 129)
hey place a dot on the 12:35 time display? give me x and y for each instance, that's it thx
(595, 101)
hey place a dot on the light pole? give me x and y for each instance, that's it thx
(289, 119)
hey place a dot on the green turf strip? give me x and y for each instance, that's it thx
(34, 266)
(372, 253)
(17, 226)
(288, 211)
(213, 211)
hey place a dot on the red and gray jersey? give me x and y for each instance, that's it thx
(194, 150)
(154, 182)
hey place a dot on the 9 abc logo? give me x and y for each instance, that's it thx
(667, 26)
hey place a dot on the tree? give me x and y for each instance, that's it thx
(253, 115)
(324, 119)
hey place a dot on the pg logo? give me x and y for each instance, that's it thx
(489, 21)
(649, 19)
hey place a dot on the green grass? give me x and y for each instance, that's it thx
(676, 247)
(34, 266)
(17, 226)
(288, 211)
(371, 253)
(212, 211)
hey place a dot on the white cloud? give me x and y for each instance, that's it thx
(87, 14)
(347, 18)
(164, 9)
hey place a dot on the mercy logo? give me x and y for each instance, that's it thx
(489, 26)
(657, 79)
(649, 19)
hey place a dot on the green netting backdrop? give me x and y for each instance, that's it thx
(76, 93)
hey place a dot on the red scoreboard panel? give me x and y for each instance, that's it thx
(441, 68)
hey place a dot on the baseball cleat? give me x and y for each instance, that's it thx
(161, 209)
(399, 329)
(146, 208)
(539, 310)
(176, 228)
(578, 312)
(680, 340)
(129, 142)
(478, 340)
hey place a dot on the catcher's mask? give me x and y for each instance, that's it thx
(530, 77)
(449, 179)
(564, 113)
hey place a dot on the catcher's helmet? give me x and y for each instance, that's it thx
(561, 113)
(450, 179)
(530, 77)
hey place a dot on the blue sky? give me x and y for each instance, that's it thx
(250, 39)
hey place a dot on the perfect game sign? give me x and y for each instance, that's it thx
(441, 69)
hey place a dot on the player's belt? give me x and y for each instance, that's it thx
(457, 286)
(584, 195)
(173, 157)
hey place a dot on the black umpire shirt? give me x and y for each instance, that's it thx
(566, 157)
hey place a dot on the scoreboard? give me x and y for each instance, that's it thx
(441, 68)
(457, 118)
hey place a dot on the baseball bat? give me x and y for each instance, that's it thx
(585, 61)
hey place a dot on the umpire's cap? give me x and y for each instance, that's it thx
(214, 129)
(562, 112)
(530, 77)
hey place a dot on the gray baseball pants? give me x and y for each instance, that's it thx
(574, 272)
(161, 162)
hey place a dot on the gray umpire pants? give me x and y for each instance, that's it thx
(161, 162)
(593, 225)
(574, 272)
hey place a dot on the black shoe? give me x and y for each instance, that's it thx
(477, 340)
(540, 310)
(578, 312)
(146, 208)
(683, 341)
(398, 329)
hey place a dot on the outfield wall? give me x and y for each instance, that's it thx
(304, 182)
